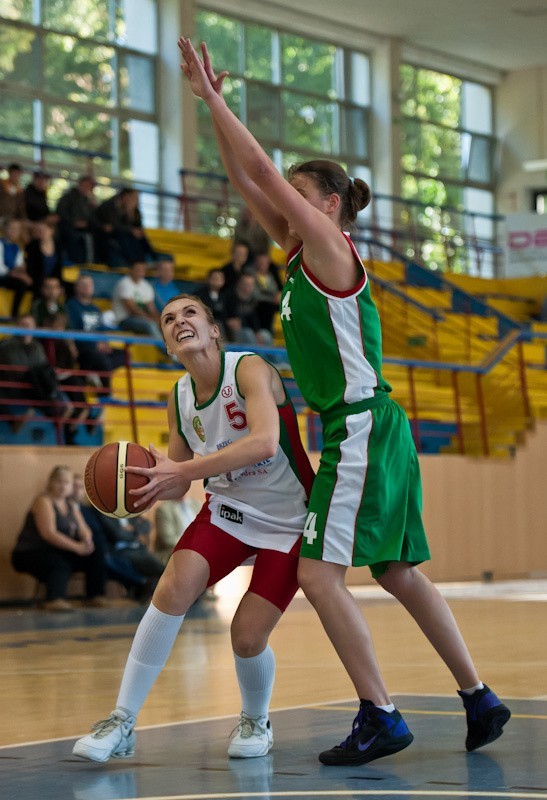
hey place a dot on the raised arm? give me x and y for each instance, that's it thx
(323, 243)
(259, 203)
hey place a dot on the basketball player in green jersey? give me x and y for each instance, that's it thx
(365, 507)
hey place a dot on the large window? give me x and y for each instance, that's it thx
(80, 76)
(447, 158)
(300, 97)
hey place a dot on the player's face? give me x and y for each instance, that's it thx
(308, 188)
(186, 328)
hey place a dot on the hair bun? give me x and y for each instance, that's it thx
(361, 193)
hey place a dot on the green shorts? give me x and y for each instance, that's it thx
(366, 503)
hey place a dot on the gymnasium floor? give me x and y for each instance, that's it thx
(60, 673)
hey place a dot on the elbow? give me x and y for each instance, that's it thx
(260, 168)
(267, 448)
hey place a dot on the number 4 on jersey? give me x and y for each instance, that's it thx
(285, 307)
(310, 533)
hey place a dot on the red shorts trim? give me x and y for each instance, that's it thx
(274, 573)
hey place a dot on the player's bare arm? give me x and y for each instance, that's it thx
(323, 243)
(167, 476)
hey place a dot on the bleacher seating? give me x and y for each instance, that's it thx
(519, 298)
(421, 322)
(6, 297)
(428, 323)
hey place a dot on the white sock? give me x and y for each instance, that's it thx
(389, 708)
(473, 689)
(151, 646)
(255, 676)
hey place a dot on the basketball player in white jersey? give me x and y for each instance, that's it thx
(231, 409)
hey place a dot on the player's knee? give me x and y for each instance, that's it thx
(398, 578)
(247, 641)
(310, 580)
(170, 597)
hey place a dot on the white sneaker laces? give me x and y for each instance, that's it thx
(105, 726)
(246, 727)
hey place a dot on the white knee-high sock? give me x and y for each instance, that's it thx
(255, 676)
(152, 644)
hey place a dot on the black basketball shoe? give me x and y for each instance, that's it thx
(375, 733)
(486, 716)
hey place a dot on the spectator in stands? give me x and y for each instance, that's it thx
(212, 295)
(78, 234)
(164, 283)
(267, 291)
(63, 357)
(43, 257)
(238, 264)
(55, 542)
(13, 271)
(29, 356)
(120, 221)
(12, 201)
(85, 315)
(133, 303)
(36, 202)
(125, 542)
(250, 232)
(172, 517)
(49, 301)
(242, 322)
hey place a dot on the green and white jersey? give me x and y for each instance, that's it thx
(264, 504)
(333, 339)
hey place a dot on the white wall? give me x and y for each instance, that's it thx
(522, 129)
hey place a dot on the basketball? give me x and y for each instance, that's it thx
(107, 485)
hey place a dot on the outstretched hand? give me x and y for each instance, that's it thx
(201, 76)
(165, 481)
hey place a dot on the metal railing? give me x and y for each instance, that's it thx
(447, 238)
(476, 401)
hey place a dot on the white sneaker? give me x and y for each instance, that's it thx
(253, 736)
(111, 738)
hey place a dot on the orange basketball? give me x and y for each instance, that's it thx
(107, 484)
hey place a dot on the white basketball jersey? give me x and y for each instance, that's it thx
(264, 504)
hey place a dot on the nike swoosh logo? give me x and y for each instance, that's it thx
(366, 745)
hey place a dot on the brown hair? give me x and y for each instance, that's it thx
(208, 313)
(331, 178)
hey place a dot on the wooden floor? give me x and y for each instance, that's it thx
(60, 673)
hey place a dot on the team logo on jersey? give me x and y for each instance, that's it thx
(198, 427)
(227, 391)
(231, 514)
(285, 307)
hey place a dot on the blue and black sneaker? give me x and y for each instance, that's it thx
(486, 716)
(375, 733)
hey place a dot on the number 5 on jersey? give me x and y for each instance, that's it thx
(237, 417)
(310, 533)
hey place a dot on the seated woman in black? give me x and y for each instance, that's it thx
(55, 542)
